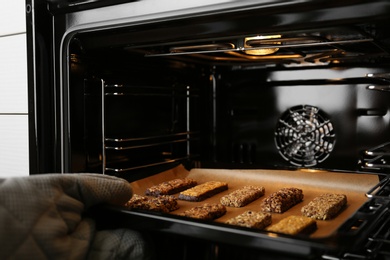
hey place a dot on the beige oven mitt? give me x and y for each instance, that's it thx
(41, 217)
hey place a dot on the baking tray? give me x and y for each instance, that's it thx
(312, 182)
(347, 232)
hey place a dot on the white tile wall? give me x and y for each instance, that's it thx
(14, 159)
(12, 17)
(13, 74)
(14, 155)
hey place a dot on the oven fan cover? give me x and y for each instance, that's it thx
(304, 136)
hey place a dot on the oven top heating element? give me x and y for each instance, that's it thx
(304, 136)
(331, 46)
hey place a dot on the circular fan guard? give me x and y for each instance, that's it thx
(304, 135)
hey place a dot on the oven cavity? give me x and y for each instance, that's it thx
(153, 100)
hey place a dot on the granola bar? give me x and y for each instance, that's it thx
(170, 187)
(136, 201)
(251, 219)
(325, 206)
(163, 203)
(207, 211)
(282, 200)
(203, 191)
(294, 225)
(243, 196)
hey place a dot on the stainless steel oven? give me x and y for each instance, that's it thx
(138, 88)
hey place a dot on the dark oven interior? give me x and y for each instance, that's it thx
(155, 95)
(300, 87)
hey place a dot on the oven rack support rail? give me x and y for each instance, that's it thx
(114, 144)
(377, 243)
(385, 77)
(381, 190)
(377, 158)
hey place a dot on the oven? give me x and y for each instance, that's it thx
(294, 92)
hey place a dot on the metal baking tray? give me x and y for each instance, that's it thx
(353, 222)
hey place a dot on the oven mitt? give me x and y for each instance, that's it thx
(42, 217)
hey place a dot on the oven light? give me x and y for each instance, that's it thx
(252, 45)
(310, 170)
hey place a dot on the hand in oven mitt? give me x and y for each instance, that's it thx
(41, 217)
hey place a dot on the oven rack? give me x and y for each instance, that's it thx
(379, 243)
(124, 144)
(148, 90)
(376, 243)
(120, 144)
(381, 190)
(384, 77)
(377, 158)
(125, 169)
(142, 144)
(126, 152)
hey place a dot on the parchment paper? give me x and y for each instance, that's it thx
(312, 182)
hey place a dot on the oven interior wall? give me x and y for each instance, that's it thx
(142, 113)
(254, 102)
(146, 113)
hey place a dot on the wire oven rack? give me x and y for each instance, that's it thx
(114, 146)
(377, 158)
